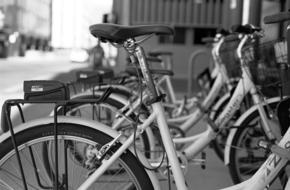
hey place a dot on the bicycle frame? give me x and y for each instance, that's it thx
(262, 177)
(198, 142)
(244, 86)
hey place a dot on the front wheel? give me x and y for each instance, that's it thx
(75, 165)
(245, 156)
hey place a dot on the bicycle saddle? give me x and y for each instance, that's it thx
(119, 33)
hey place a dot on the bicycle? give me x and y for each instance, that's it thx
(191, 152)
(239, 94)
(220, 81)
(145, 179)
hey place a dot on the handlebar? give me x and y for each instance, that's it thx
(277, 18)
(246, 29)
(241, 45)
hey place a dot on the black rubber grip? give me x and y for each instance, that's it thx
(232, 37)
(276, 18)
(158, 53)
(208, 40)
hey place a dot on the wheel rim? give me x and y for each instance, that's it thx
(76, 172)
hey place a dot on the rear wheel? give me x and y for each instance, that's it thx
(75, 165)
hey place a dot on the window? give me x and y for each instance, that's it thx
(200, 33)
(179, 37)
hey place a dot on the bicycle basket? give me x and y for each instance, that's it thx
(229, 58)
(264, 61)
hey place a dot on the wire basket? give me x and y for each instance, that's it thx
(230, 60)
(264, 61)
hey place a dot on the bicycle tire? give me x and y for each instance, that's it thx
(35, 136)
(241, 168)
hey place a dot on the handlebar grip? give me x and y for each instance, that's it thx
(276, 18)
(232, 37)
(208, 40)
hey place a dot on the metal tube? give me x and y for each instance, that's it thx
(145, 70)
(169, 146)
(197, 114)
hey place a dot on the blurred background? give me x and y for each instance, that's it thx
(48, 24)
(58, 29)
(30, 27)
(45, 39)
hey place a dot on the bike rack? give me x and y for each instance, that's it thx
(191, 63)
(57, 104)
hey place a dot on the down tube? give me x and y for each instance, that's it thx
(241, 90)
(197, 114)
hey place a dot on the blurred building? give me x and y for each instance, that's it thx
(192, 20)
(26, 24)
(71, 21)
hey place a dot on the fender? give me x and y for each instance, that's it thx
(87, 123)
(113, 95)
(219, 103)
(238, 123)
(117, 88)
(88, 94)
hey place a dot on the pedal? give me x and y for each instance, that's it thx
(199, 161)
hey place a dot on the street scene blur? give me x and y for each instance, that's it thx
(42, 39)
(208, 78)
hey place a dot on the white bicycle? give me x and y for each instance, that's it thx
(97, 148)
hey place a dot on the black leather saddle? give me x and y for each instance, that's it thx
(119, 33)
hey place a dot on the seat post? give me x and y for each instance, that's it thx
(136, 51)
